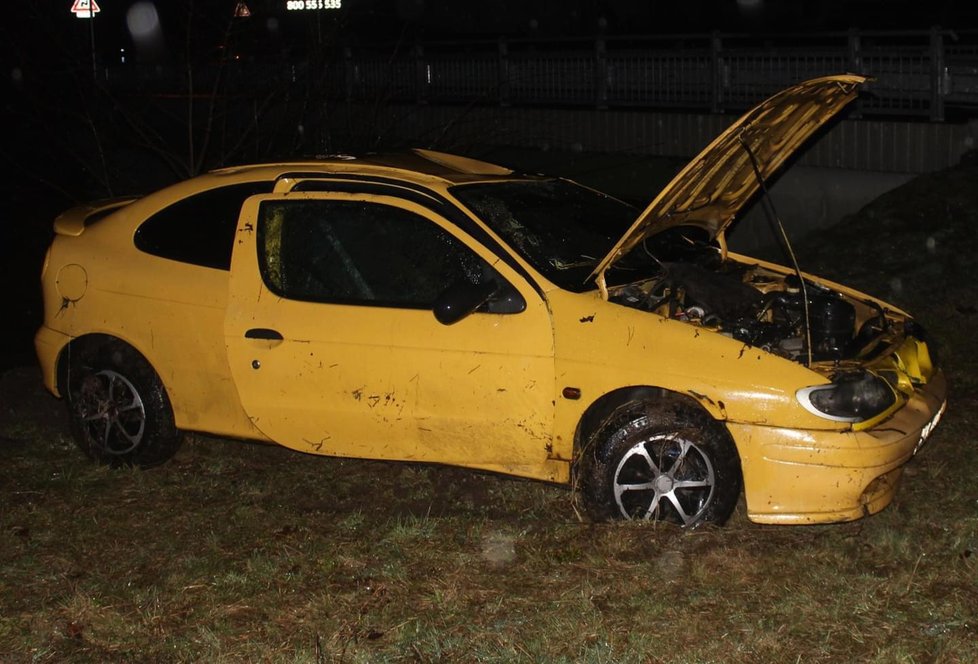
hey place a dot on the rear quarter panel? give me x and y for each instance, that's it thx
(171, 312)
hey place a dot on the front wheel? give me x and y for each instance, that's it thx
(120, 412)
(665, 460)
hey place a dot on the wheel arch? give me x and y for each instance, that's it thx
(641, 402)
(84, 342)
(604, 406)
(120, 411)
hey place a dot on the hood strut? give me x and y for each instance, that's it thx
(782, 237)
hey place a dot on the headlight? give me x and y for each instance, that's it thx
(850, 397)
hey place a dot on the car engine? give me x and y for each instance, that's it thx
(757, 306)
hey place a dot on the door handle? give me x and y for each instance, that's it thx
(264, 333)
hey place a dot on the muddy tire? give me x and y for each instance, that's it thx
(665, 460)
(120, 412)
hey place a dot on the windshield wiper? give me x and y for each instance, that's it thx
(561, 264)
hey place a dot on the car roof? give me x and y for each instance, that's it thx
(424, 168)
(417, 165)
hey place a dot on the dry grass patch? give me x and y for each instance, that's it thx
(239, 552)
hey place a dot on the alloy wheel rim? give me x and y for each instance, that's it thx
(664, 477)
(112, 412)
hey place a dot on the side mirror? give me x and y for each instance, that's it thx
(461, 299)
(506, 300)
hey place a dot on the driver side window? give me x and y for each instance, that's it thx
(355, 252)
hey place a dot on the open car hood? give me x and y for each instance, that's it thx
(712, 188)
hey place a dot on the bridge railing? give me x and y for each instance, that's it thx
(917, 73)
(929, 74)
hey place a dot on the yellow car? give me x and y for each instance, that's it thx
(426, 307)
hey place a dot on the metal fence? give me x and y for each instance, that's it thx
(931, 74)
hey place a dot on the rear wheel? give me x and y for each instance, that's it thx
(120, 412)
(664, 460)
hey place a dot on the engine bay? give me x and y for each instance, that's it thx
(759, 306)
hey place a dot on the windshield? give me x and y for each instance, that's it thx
(559, 227)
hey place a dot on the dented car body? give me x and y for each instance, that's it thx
(432, 308)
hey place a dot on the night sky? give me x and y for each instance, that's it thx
(50, 55)
(40, 30)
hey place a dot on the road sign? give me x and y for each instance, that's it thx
(85, 8)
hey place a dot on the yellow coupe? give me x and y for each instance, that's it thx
(426, 307)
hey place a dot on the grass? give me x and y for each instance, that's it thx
(239, 552)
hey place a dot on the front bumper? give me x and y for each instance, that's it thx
(794, 476)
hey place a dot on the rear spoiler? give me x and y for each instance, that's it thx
(73, 222)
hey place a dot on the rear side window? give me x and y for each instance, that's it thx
(199, 229)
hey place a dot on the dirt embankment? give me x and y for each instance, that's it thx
(916, 245)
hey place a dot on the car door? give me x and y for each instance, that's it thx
(334, 349)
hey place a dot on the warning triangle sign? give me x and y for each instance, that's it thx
(85, 8)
